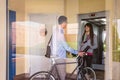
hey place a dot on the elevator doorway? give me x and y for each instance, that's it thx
(98, 20)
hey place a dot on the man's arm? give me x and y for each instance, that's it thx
(67, 47)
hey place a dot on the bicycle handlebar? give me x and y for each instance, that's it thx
(79, 57)
(85, 50)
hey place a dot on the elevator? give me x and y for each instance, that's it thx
(98, 20)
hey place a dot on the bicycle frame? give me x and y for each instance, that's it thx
(55, 66)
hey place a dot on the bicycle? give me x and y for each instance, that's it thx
(83, 72)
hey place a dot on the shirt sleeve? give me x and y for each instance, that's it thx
(67, 47)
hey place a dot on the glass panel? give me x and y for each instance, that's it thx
(29, 36)
(31, 25)
(116, 41)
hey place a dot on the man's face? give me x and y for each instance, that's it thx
(64, 25)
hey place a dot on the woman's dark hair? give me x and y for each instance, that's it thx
(91, 33)
(62, 19)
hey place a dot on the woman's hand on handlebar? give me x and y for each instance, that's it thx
(81, 54)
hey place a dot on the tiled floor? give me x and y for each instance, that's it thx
(99, 74)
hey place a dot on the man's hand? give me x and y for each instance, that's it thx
(81, 54)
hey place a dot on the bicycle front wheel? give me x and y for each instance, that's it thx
(87, 73)
(42, 75)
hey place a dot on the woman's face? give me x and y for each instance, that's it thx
(87, 29)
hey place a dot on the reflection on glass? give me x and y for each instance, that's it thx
(116, 42)
(29, 38)
(118, 31)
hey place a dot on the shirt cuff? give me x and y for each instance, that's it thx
(76, 52)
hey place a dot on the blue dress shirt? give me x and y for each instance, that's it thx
(59, 45)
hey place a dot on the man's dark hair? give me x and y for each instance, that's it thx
(45, 31)
(62, 19)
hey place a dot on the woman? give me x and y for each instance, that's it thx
(89, 40)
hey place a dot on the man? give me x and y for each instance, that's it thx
(59, 45)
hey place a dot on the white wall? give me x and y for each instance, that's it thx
(2, 39)
(44, 6)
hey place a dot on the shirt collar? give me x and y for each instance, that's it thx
(59, 26)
